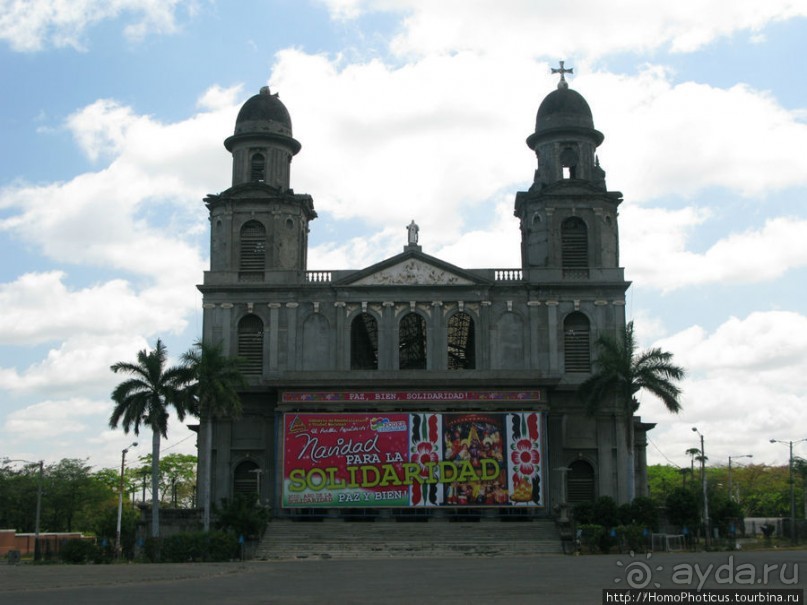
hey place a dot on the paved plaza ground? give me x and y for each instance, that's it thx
(513, 580)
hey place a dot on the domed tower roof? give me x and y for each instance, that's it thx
(263, 116)
(564, 111)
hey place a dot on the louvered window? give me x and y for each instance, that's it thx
(580, 482)
(246, 478)
(250, 345)
(461, 342)
(576, 343)
(574, 248)
(253, 252)
(412, 342)
(364, 343)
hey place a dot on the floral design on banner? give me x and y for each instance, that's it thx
(525, 457)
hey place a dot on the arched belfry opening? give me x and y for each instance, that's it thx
(574, 247)
(568, 161)
(577, 343)
(257, 167)
(253, 249)
(250, 345)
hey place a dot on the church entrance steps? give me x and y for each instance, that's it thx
(337, 539)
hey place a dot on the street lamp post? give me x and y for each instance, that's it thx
(792, 488)
(731, 494)
(120, 498)
(41, 465)
(705, 495)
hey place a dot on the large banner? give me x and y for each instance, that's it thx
(415, 459)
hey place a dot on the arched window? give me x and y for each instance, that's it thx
(461, 342)
(257, 167)
(412, 342)
(574, 247)
(576, 343)
(253, 252)
(250, 345)
(246, 478)
(364, 343)
(568, 160)
(579, 482)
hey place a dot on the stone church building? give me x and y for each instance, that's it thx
(415, 386)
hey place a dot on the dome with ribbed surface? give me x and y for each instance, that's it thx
(263, 113)
(561, 108)
(564, 110)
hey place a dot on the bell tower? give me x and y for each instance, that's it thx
(568, 217)
(259, 226)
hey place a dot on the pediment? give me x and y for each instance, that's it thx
(413, 271)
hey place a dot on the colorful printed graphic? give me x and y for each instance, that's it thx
(423, 459)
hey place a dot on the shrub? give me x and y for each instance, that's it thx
(199, 547)
(644, 512)
(80, 551)
(242, 515)
(591, 536)
(583, 513)
(605, 512)
(632, 537)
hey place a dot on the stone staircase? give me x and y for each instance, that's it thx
(338, 539)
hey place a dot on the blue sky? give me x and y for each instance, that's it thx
(113, 115)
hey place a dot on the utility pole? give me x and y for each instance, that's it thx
(120, 499)
(705, 495)
(792, 488)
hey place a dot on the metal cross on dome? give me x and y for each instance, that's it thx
(562, 71)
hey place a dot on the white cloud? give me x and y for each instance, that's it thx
(387, 145)
(77, 427)
(40, 307)
(598, 28)
(663, 138)
(31, 25)
(746, 385)
(656, 254)
(79, 365)
(54, 417)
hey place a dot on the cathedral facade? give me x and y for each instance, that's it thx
(415, 386)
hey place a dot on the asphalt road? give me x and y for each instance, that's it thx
(551, 579)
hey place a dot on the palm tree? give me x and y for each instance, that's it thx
(693, 452)
(621, 372)
(213, 393)
(144, 399)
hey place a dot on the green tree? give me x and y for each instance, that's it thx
(18, 494)
(661, 480)
(800, 468)
(177, 477)
(74, 496)
(765, 490)
(145, 399)
(620, 373)
(693, 453)
(214, 392)
(724, 512)
(682, 508)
